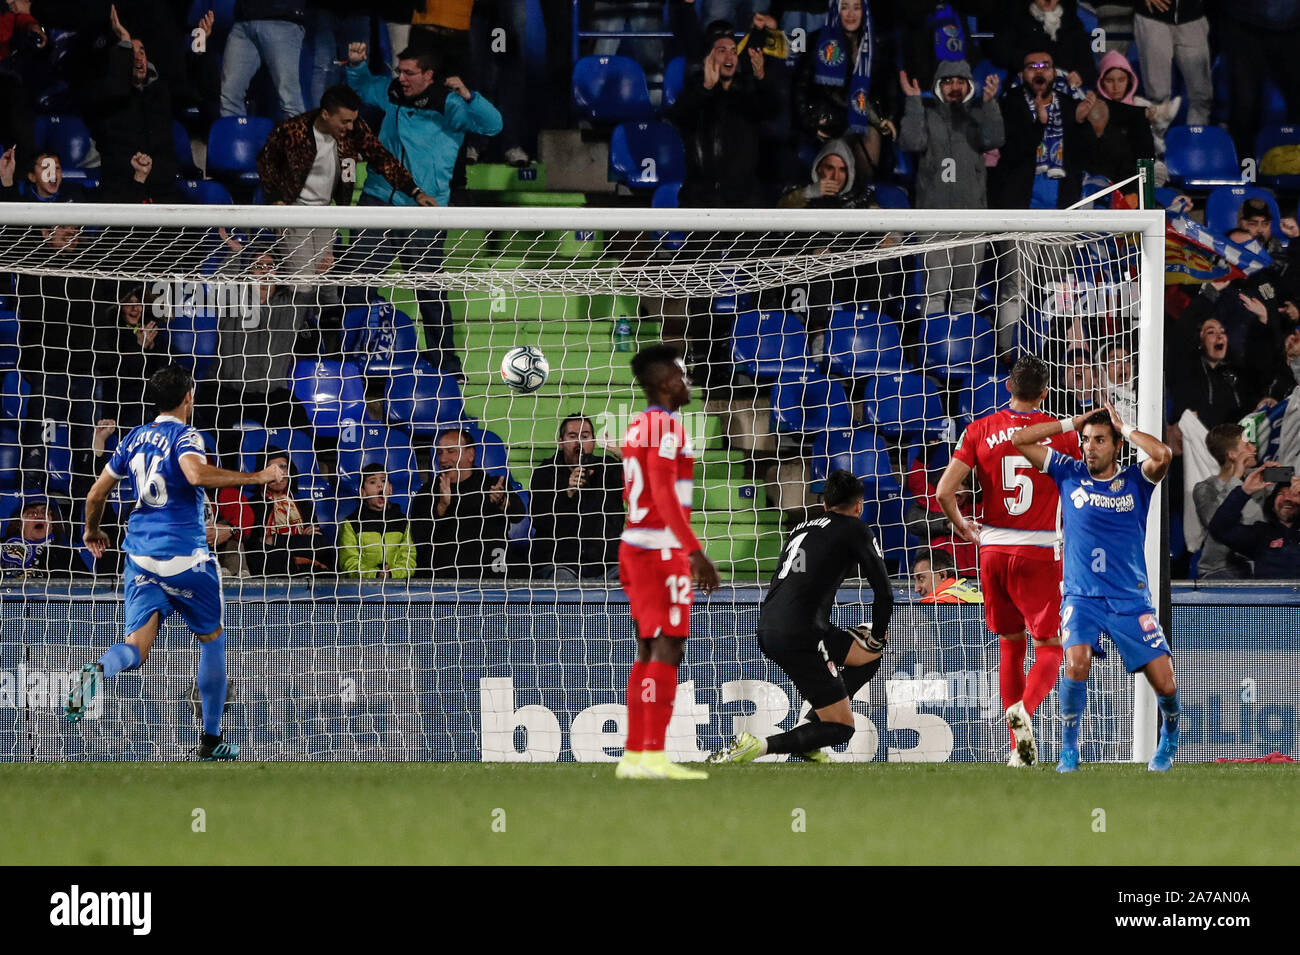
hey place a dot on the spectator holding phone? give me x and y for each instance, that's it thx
(1273, 543)
(577, 507)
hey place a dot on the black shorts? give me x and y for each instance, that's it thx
(808, 659)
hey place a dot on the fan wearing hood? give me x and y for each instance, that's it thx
(950, 135)
(1117, 132)
(833, 183)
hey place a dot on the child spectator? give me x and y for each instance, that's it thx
(285, 540)
(1117, 132)
(375, 542)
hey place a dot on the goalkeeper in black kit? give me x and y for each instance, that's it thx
(826, 663)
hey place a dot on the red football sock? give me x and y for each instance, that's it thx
(1042, 675)
(658, 691)
(635, 708)
(1011, 673)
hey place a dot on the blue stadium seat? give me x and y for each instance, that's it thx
(771, 346)
(8, 339)
(1201, 156)
(233, 145)
(423, 401)
(1274, 103)
(373, 443)
(904, 167)
(983, 70)
(729, 301)
(58, 459)
(223, 13)
(256, 441)
(610, 89)
(665, 197)
(646, 155)
(982, 395)
(863, 342)
(884, 513)
(859, 451)
(11, 456)
(331, 392)
(1166, 196)
(55, 98)
(193, 338)
(956, 346)
(65, 134)
(1034, 333)
(904, 404)
(380, 338)
(1268, 137)
(891, 196)
(1224, 203)
(805, 407)
(184, 151)
(13, 395)
(674, 80)
(205, 192)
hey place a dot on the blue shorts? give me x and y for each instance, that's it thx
(195, 594)
(1132, 626)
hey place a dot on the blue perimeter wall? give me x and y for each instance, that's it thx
(384, 672)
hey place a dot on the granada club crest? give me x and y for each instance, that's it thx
(832, 53)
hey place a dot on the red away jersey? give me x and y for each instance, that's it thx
(658, 476)
(1020, 503)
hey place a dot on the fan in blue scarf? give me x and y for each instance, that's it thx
(1051, 151)
(833, 50)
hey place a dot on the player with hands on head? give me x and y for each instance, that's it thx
(1106, 590)
(168, 564)
(1020, 570)
(828, 664)
(658, 558)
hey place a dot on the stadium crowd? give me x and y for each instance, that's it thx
(1031, 104)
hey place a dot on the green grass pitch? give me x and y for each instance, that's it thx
(433, 813)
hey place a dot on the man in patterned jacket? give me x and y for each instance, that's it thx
(312, 158)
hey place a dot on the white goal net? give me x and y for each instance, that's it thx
(439, 578)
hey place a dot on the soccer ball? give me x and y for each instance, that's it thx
(525, 369)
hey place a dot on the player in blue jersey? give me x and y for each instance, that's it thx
(168, 566)
(1104, 516)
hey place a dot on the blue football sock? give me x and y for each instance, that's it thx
(1074, 698)
(212, 683)
(1169, 710)
(119, 657)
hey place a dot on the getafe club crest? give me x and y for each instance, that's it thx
(1117, 485)
(860, 103)
(952, 37)
(831, 53)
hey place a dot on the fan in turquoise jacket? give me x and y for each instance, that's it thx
(423, 130)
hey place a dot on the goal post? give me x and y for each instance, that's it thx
(862, 338)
